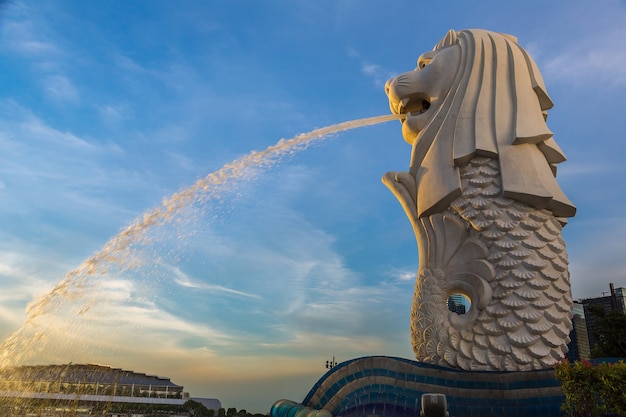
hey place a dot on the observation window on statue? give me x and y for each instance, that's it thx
(459, 303)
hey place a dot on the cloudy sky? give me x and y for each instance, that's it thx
(110, 109)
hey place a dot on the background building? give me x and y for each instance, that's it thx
(585, 321)
(458, 303)
(614, 300)
(83, 388)
(579, 348)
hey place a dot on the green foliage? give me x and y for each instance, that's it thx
(610, 333)
(197, 409)
(232, 412)
(593, 390)
(221, 413)
(146, 409)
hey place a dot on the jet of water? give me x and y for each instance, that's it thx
(116, 252)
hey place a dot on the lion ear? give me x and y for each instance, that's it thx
(509, 37)
(448, 40)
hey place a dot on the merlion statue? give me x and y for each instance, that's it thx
(487, 212)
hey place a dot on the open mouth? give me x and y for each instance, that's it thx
(413, 106)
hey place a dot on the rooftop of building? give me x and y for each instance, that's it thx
(83, 373)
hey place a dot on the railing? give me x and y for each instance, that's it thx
(89, 388)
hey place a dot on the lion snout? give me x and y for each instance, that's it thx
(392, 95)
(399, 90)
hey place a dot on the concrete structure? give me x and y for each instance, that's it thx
(483, 200)
(386, 386)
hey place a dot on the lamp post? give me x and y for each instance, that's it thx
(331, 363)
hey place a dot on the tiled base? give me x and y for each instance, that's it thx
(387, 386)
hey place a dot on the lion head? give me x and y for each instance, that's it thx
(478, 93)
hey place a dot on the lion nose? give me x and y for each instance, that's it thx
(395, 104)
(391, 90)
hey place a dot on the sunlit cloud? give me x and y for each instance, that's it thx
(116, 319)
(20, 284)
(20, 270)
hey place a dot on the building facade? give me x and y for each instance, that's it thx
(83, 389)
(614, 300)
(579, 348)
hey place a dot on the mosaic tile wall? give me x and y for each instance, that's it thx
(387, 386)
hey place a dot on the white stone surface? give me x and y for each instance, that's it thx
(487, 212)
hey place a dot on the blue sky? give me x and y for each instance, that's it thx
(108, 108)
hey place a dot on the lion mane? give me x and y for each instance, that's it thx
(496, 107)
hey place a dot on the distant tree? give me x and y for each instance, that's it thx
(197, 409)
(232, 412)
(610, 333)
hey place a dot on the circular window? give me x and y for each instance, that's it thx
(459, 303)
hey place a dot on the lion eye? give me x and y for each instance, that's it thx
(422, 62)
(425, 59)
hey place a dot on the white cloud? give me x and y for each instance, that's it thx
(29, 37)
(592, 53)
(597, 255)
(22, 128)
(584, 168)
(59, 87)
(112, 114)
(404, 275)
(45, 166)
(114, 316)
(371, 70)
(185, 280)
(20, 268)
(301, 341)
(26, 36)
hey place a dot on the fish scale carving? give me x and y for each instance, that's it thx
(528, 315)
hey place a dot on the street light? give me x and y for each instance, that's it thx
(331, 363)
